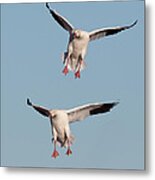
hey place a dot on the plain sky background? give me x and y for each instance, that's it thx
(32, 44)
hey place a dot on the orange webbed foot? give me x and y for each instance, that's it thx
(55, 154)
(69, 151)
(65, 70)
(77, 74)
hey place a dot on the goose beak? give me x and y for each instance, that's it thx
(76, 35)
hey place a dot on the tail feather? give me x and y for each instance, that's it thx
(71, 140)
(74, 65)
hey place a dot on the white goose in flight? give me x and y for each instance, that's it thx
(60, 120)
(73, 59)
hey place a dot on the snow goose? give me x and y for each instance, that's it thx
(73, 58)
(60, 120)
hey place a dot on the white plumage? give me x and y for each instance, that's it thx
(73, 59)
(60, 120)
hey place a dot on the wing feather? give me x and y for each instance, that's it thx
(41, 110)
(99, 33)
(60, 19)
(80, 113)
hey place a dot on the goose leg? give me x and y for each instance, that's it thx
(77, 74)
(69, 151)
(55, 152)
(65, 70)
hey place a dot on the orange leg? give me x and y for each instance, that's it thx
(55, 152)
(65, 70)
(77, 74)
(69, 151)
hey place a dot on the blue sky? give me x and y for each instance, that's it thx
(31, 47)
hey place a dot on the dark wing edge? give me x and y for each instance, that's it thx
(103, 108)
(41, 110)
(109, 31)
(60, 19)
(119, 29)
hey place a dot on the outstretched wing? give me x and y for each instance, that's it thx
(99, 33)
(82, 112)
(60, 19)
(41, 110)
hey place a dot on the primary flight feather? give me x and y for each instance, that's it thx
(73, 58)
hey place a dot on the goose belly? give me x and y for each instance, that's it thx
(60, 122)
(79, 47)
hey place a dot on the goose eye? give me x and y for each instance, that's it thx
(54, 115)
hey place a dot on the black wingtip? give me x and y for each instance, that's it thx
(50, 10)
(112, 105)
(116, 103)
(134, 23)
(47, 5)
(29, 102)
